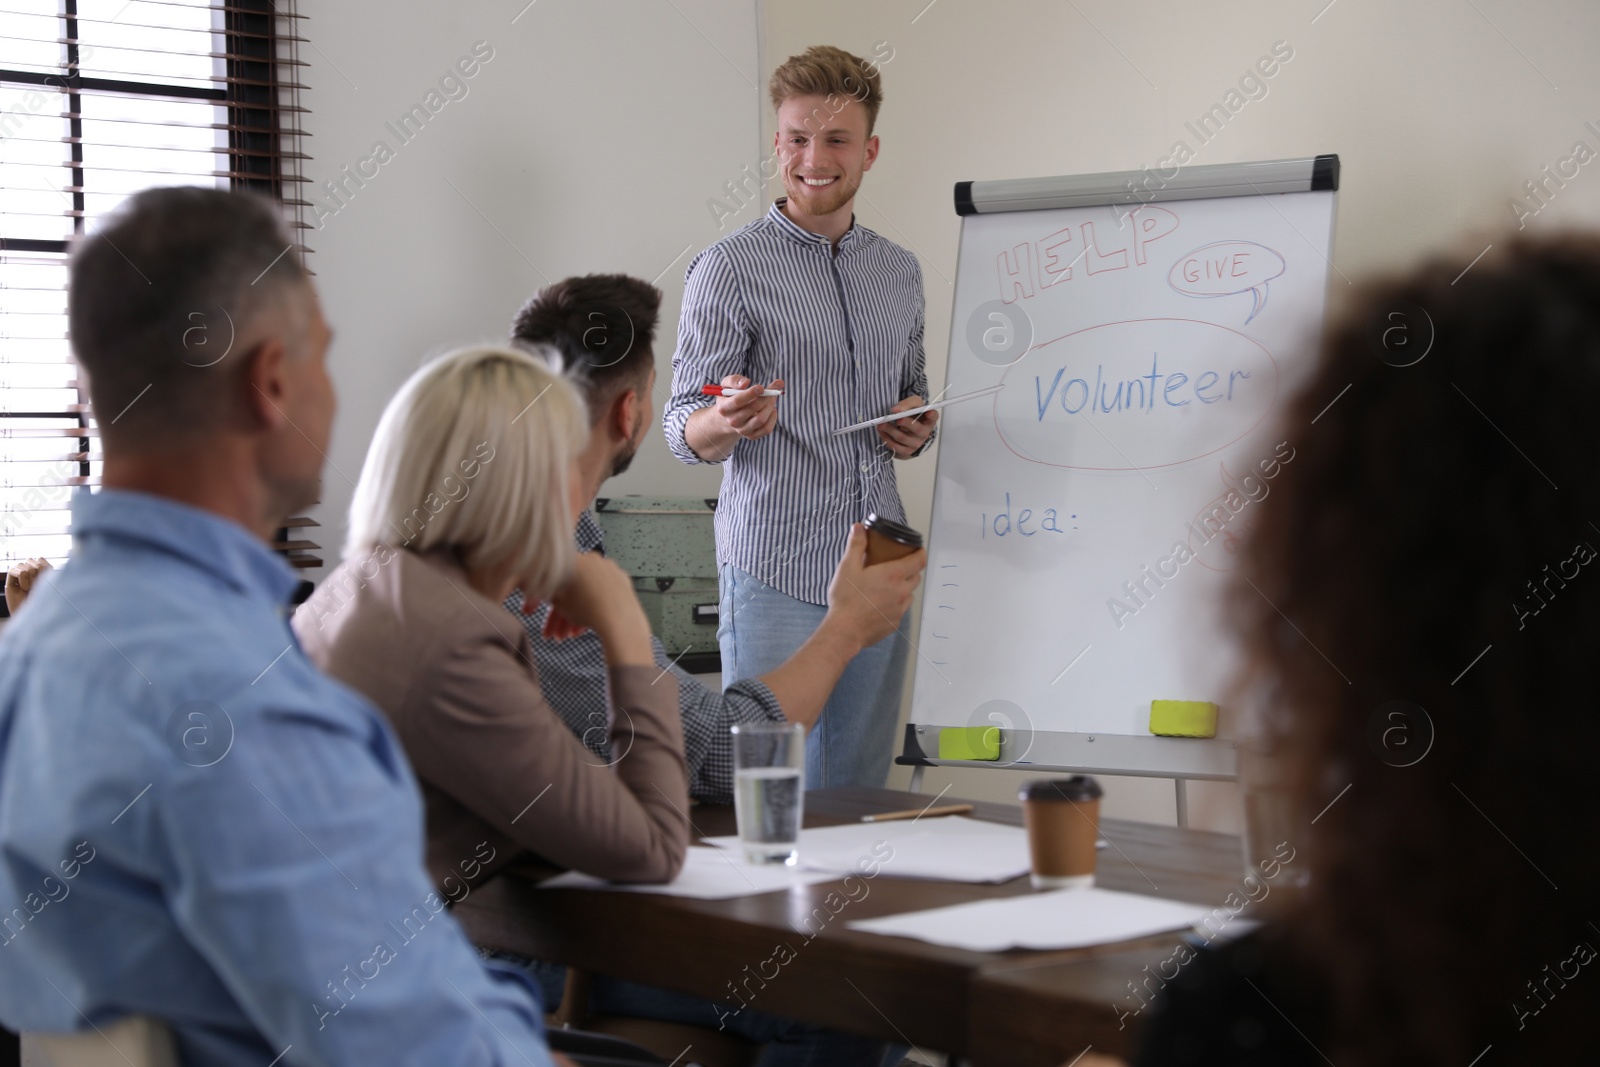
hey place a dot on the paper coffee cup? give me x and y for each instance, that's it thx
(1062, 816)
(889, 540)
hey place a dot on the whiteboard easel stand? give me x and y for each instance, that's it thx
(1133, 755)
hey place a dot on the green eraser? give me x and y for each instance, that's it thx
(969, 742)
(1183, 718)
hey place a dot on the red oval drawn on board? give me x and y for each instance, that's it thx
(1037, 354)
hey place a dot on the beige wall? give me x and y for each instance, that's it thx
(1439, 111)
(590, 142)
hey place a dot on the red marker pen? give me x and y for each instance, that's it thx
(719, 390)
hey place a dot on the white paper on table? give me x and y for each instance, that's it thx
(949, 848)
(707, 874)
(1065, 918)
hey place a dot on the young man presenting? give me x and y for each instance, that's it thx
(830, 313)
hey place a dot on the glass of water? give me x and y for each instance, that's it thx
(769, 789)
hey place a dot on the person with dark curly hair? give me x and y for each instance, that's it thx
(1424, 565)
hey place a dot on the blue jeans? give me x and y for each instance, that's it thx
(852, 742)
(786, 1043)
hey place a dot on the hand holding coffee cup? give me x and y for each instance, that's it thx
(1062, 816)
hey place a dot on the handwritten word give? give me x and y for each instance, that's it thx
(1228, 268)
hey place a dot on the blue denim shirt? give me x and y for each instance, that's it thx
(197, 825)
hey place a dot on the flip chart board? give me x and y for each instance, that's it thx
(1087, 515)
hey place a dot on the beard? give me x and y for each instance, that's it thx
(624, 459)
(824, 201)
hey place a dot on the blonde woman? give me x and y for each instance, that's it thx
(469, 493)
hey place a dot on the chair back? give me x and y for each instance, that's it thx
(135, 1040)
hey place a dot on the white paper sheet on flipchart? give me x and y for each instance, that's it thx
(707, 874)
(1006, 613)
(1064, 918)
(948, 848)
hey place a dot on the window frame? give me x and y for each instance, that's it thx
(256, 88)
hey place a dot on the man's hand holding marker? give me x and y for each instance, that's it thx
(748, 410)
(745, 409)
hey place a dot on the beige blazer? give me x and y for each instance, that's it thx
(501, 774)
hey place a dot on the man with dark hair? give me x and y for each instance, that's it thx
(195, 824)
(603, 328)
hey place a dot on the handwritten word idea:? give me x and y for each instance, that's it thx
(1005, 522)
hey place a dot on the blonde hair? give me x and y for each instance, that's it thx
(475, 453)
(823, 70)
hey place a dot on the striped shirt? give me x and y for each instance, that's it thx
(844, 331)
(577, 684)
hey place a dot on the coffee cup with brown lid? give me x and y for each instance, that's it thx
(889, 540)
(1062, 816)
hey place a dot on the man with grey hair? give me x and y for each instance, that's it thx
(196, 825)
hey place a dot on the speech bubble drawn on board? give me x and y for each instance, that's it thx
(1227, 268)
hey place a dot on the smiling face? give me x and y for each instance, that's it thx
(823, 145)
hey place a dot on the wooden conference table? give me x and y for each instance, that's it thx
(1017, 1007)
